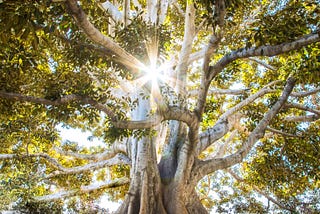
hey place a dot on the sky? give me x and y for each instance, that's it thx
(77, 135)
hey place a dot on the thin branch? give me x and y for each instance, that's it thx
(302, 107)
(114, 150)
(306, 118)
(116, 15)
(264, 64)
(265, 90)
(83, 189)
(116, 160)
(96, 36)
(60, 101)
(61, 170)
(50, 160)
(216, 91)
(177, 6)
(304, 94)
(257, 189)
(276, 131)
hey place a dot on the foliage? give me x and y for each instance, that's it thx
(44, 54)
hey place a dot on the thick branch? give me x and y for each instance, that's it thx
(96, 36)
(216, 132)
(206, 167)
(148, 123)
(211, 135)
(189, 33)
(82, 190)
(268, 50)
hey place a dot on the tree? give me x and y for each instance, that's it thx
(188, 96)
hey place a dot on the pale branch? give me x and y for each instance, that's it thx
(163, 11)
(124, 124)
(189, 34)
(152, 12)
(306, 118)
(115, 148)
(267, 50)
(60, 101)
(116, 15)
(205, 167)
(265, 90)
(257, 189)
(276, 131)
(126, 12)
(175, 113)
(216, 91)
(50, 160)
(222, 149)
(302, 107)
(213, 44)
(96, 36)
(116, 160)
(179, 9)
(211, 135)
(196, 56)
(83, 189)
(264, 64)
(306, 93)
(207, 138)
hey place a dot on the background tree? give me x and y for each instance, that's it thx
(201, 105)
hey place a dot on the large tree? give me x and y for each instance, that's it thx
(199, 103)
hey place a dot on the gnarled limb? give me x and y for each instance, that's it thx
(268, 50)
(205, 167)
(83, 189)
(96, 36)
(221, 128)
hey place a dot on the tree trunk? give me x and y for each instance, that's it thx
(153, 187)
(149, 193)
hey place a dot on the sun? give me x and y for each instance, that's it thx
(152, 73)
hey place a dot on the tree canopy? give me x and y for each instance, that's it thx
(201, 105)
